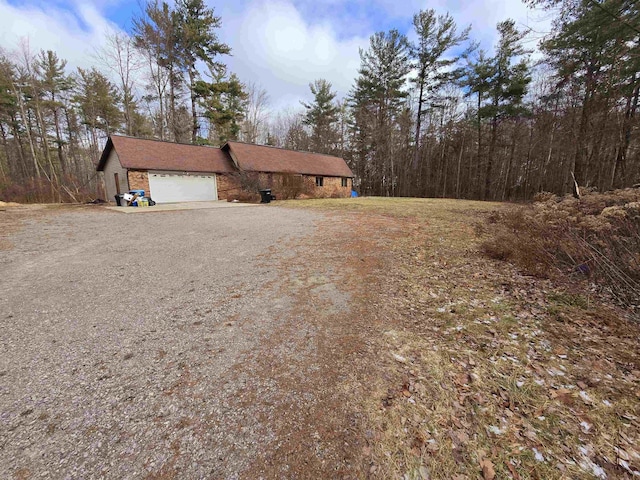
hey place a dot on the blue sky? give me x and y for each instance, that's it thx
(282, 45)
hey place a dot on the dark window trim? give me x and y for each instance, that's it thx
(319, 181)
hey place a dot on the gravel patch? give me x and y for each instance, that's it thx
(128, 341)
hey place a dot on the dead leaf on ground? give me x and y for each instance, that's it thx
(513, 471)
(488, 472)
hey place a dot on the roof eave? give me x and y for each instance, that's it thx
(234, 159)
(105, 155)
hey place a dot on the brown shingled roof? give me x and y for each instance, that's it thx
(260, 158)
(143, 154)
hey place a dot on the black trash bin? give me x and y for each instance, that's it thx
(119, 199)
(266, 196)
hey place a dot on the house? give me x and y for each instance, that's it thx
(171, 172)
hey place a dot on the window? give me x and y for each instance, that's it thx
(319, 181)
(345, 182)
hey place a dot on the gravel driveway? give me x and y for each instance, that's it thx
(140, 346)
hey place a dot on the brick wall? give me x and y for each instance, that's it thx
(228, 186)
(331, 188)
(139, 180)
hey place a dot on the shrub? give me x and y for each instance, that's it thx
(597, 236)
(244, 197)
(544, 196)
(248, 181)
(40, 190)
(292, 186)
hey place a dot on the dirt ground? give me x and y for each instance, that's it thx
(174, 345)
(334, 339)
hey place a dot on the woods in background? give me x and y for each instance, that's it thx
(434, 117)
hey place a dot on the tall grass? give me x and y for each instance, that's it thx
(596, 237)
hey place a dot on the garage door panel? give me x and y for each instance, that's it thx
(171, 188)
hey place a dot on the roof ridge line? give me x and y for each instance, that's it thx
(162, 141)
(226, 143)
(285, 149)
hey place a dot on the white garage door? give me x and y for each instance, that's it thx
(171, 188)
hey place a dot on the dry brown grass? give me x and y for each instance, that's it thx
(475, 369)
(596, 238)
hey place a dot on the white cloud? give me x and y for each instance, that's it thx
(74, 36)
(275, 47)
(483, 16)
(286, 44)
(282, 45)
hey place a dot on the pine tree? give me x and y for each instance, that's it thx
(157, 34)
(378, 99)
(594, 48)
(197, 41)
(504, 79)
(8, 124)
(98, 100)
(437, 36)
(224, 103)
(50, 72)
(321, 116)
(478, 75)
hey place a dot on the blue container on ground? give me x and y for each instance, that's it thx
(139, 192)
(354, 194)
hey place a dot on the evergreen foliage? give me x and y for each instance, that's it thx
(437, 116)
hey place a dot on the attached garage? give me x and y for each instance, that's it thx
(175, 187)
(172, 172)
(167, 172)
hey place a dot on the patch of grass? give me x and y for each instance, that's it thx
(569, 299)
(472, 363)
(422, 208)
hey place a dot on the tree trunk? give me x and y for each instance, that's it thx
(527, 171)
(416, 153)
(56, 121)
(459, 164)
(443, 163)
(620, 168)
(512, 152)
(21, 153)
(172, 103)
(29, 137)
(579, 167)
(547, 160)
(71, 136)
(53, 177)
(5, 145)
(192, 80)
(492, 149)
(128, 104)
(479, 155)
